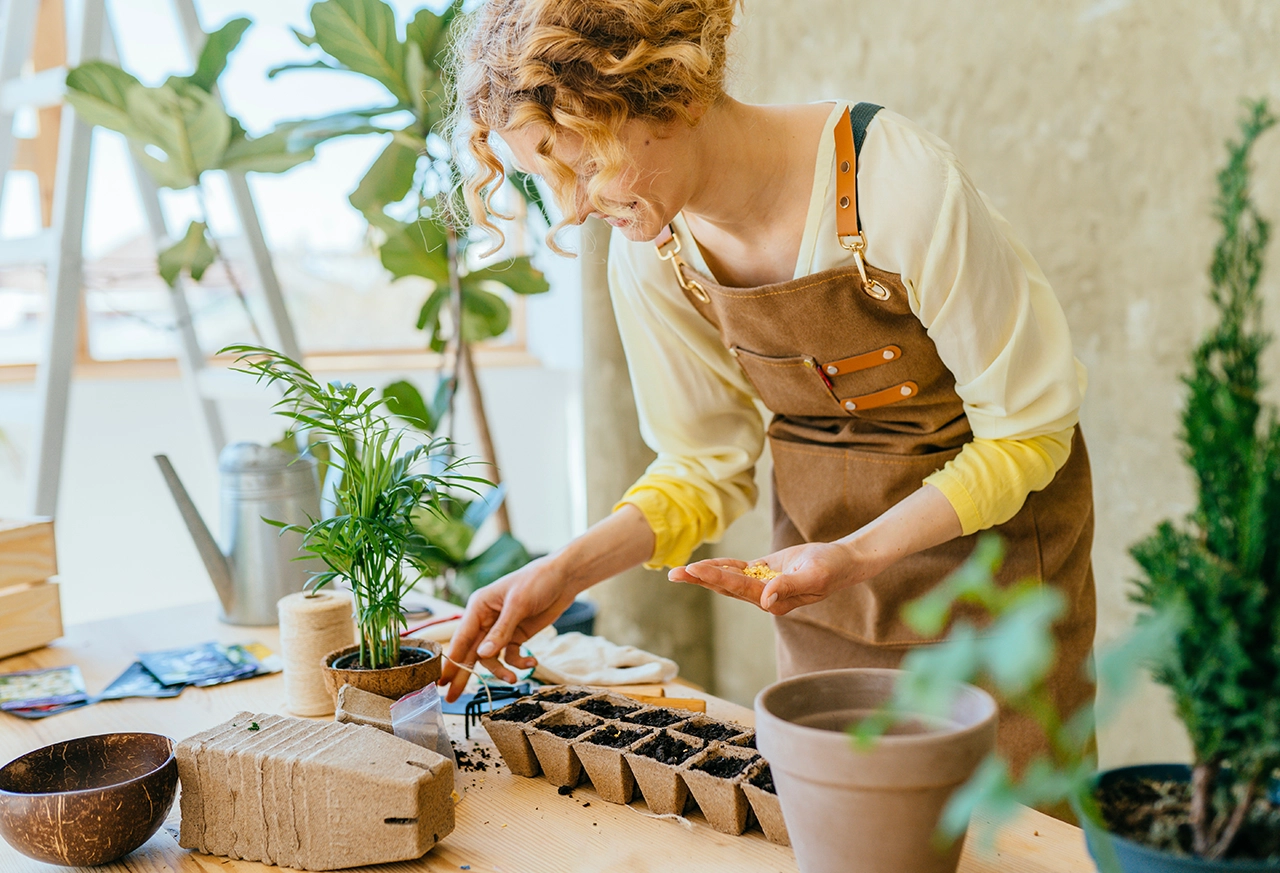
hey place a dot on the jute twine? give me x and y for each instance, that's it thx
(312, 626)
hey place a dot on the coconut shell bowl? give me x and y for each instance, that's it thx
(90, 800)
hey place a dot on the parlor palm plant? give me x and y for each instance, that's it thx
(371, 540)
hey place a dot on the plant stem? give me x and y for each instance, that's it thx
(226, 263)
(1234, 823)
(471, 385)
(1203, 777)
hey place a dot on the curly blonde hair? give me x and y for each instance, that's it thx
(585, 66)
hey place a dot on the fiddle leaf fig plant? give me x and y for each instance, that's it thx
(385, 485)
(179, 131)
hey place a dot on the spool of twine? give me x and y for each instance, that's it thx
(312, 626)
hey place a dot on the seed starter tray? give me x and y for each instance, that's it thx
(675, 758)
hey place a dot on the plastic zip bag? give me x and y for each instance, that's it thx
(419, 718)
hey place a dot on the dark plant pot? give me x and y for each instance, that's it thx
(90, 800)
(580, 617)
(1134, 857)
(393, 682)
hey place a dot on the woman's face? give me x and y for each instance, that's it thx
(653, 186)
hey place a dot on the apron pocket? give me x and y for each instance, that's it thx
(792, 386)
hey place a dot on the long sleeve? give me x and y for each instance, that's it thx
(695, 408)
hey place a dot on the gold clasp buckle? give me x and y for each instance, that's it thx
(672, 254)
(858, 245)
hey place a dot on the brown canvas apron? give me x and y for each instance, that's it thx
(863, 410)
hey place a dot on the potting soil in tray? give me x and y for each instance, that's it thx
(764, 780)
(655, 717)
(657, 763)
(711, 730)
(521, 711)
(566, 695)
(1156, 813)
(723, 767)
(667, 749)
(567, 731)
(605, 709)
(614, 737)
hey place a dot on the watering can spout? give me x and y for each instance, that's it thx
(216, 562)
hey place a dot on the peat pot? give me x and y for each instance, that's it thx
(1134, 857)
(874, 810)
(89, 800)
(393, 682)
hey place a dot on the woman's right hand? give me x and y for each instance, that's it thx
(509, 612)
(501, 616)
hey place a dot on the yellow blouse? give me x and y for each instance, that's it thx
(980, 295)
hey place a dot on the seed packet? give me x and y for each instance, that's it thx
(137, 681)
(46, 711)
(251, 659)
(39, 688)
(205, 664)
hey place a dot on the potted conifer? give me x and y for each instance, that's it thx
(380, 481)
(1221, 567)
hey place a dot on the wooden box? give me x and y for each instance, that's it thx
(30, 612)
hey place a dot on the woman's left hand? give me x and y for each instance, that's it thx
(806, 574)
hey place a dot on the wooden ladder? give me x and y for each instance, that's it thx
(59, 246)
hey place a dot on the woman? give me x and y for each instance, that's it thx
(832, 260)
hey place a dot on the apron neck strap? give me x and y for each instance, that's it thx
(851, 132)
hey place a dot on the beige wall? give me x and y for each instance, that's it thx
(1095, 126)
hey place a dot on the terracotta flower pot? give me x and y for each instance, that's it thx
(1134, 857)
(393, 682)
(874, 810)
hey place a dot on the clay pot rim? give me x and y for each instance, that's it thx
(435, 649)
(172, 757)
(892, 741)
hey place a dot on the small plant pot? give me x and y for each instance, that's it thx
(763, 798)
(659, 777)
(715, 779)
(656, 717)
(602, 754)
(393, 682)
(874, 810)
(506, 727)
(607, 706)
(1135, 857)
(552, 738)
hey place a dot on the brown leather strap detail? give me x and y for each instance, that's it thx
(862, 362)
(880, 398)
(846, 179)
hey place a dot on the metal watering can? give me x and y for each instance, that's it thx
(254, 567)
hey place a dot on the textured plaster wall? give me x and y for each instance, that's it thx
(1096, 127)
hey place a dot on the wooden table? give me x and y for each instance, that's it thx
(506, 824)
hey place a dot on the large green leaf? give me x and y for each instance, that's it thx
(187, 124)
(416, 249)
(269, 153)
(484, 315)
(428, 30)
(361, 35)
(404, 400)
(518, 274)
(388, 180)
(452, 536)
(312, 65)
(192, 254)
(213, 57)
(504, 556)
(429, 314)
(97, 90)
